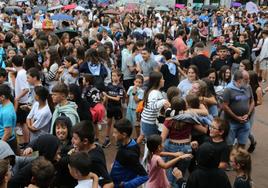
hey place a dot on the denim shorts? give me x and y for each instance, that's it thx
(182, 164)
(239, 131)
(148, 129)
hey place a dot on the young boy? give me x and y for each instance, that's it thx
(39, 119)
(43, 172)
(93, 97)
(21, 97)
(135, 95)
(64, 107)
(80, 169)
(83, 140)
(127, 170)
(115, 92)
(7, 118)
(218, 133)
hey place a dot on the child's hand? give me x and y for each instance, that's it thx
(194, 145)
(177, 173)
(166, 104)
(104, 94)
(185, 156)
(27, 152)
(178, 154)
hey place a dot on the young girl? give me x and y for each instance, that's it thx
(241, 162)
(156, 165)
(113, 96)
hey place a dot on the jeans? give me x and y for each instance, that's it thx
(149, 129)
(240, 131)
(182, 164)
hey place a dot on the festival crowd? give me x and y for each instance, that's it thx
(176, 89)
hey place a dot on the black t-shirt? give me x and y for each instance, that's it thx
(218, 63)
(114, 91)
(208, 178)
(92, 95)
(203, 64)
(242, 182)
(99, 165)
(222, 151)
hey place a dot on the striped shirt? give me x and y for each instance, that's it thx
(151, 109)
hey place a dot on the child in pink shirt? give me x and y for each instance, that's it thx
(156, 165)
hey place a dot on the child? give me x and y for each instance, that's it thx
(64, 107)
(33, 79)
(157, 166)
(93, 97)
(64, 71)
(135, 95)
(80, 167)
(5, 173)
(113, 97)
(127, 170)
(39, 119)
(241, 162)
(43, 172)
(3, 76)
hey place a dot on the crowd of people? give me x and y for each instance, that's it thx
(183, 85)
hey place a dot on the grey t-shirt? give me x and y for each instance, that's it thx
(238, 99)
(148, 66)
(129, 62)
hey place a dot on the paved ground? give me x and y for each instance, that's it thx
(259, 157)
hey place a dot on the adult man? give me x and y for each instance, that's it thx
(238, 106)
(148, 64)
(7, 118)
(200, 60)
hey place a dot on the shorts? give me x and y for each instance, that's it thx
(264, 64)
(22, 114)
(239, 131)
(114, 112)
(131, 116)
(149, 129)
(97, 112)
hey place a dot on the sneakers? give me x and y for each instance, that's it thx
(19, 131)
(252, 147)
(106, 143)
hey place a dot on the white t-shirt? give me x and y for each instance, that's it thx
(21, 84)
(85, 184)
(41, 120)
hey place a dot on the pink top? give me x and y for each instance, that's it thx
(157, 175)
(181, 49)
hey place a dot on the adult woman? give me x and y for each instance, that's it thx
(37, 24)
(258, 99)
(153, 102)
(203, 31)
(51, 66)
(186, 84)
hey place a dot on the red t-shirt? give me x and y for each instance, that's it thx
(178, 134)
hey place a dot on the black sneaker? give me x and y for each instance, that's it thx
(252, 147)
(106, 143)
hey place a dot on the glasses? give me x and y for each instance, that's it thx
(215, 128)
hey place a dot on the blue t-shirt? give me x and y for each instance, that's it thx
(131, 102)
(7, 119)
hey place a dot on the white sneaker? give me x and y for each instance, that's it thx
(19, 131)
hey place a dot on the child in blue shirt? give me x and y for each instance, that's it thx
(134, 95)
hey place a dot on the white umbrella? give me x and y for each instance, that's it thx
(80, 8)
(252, 7)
